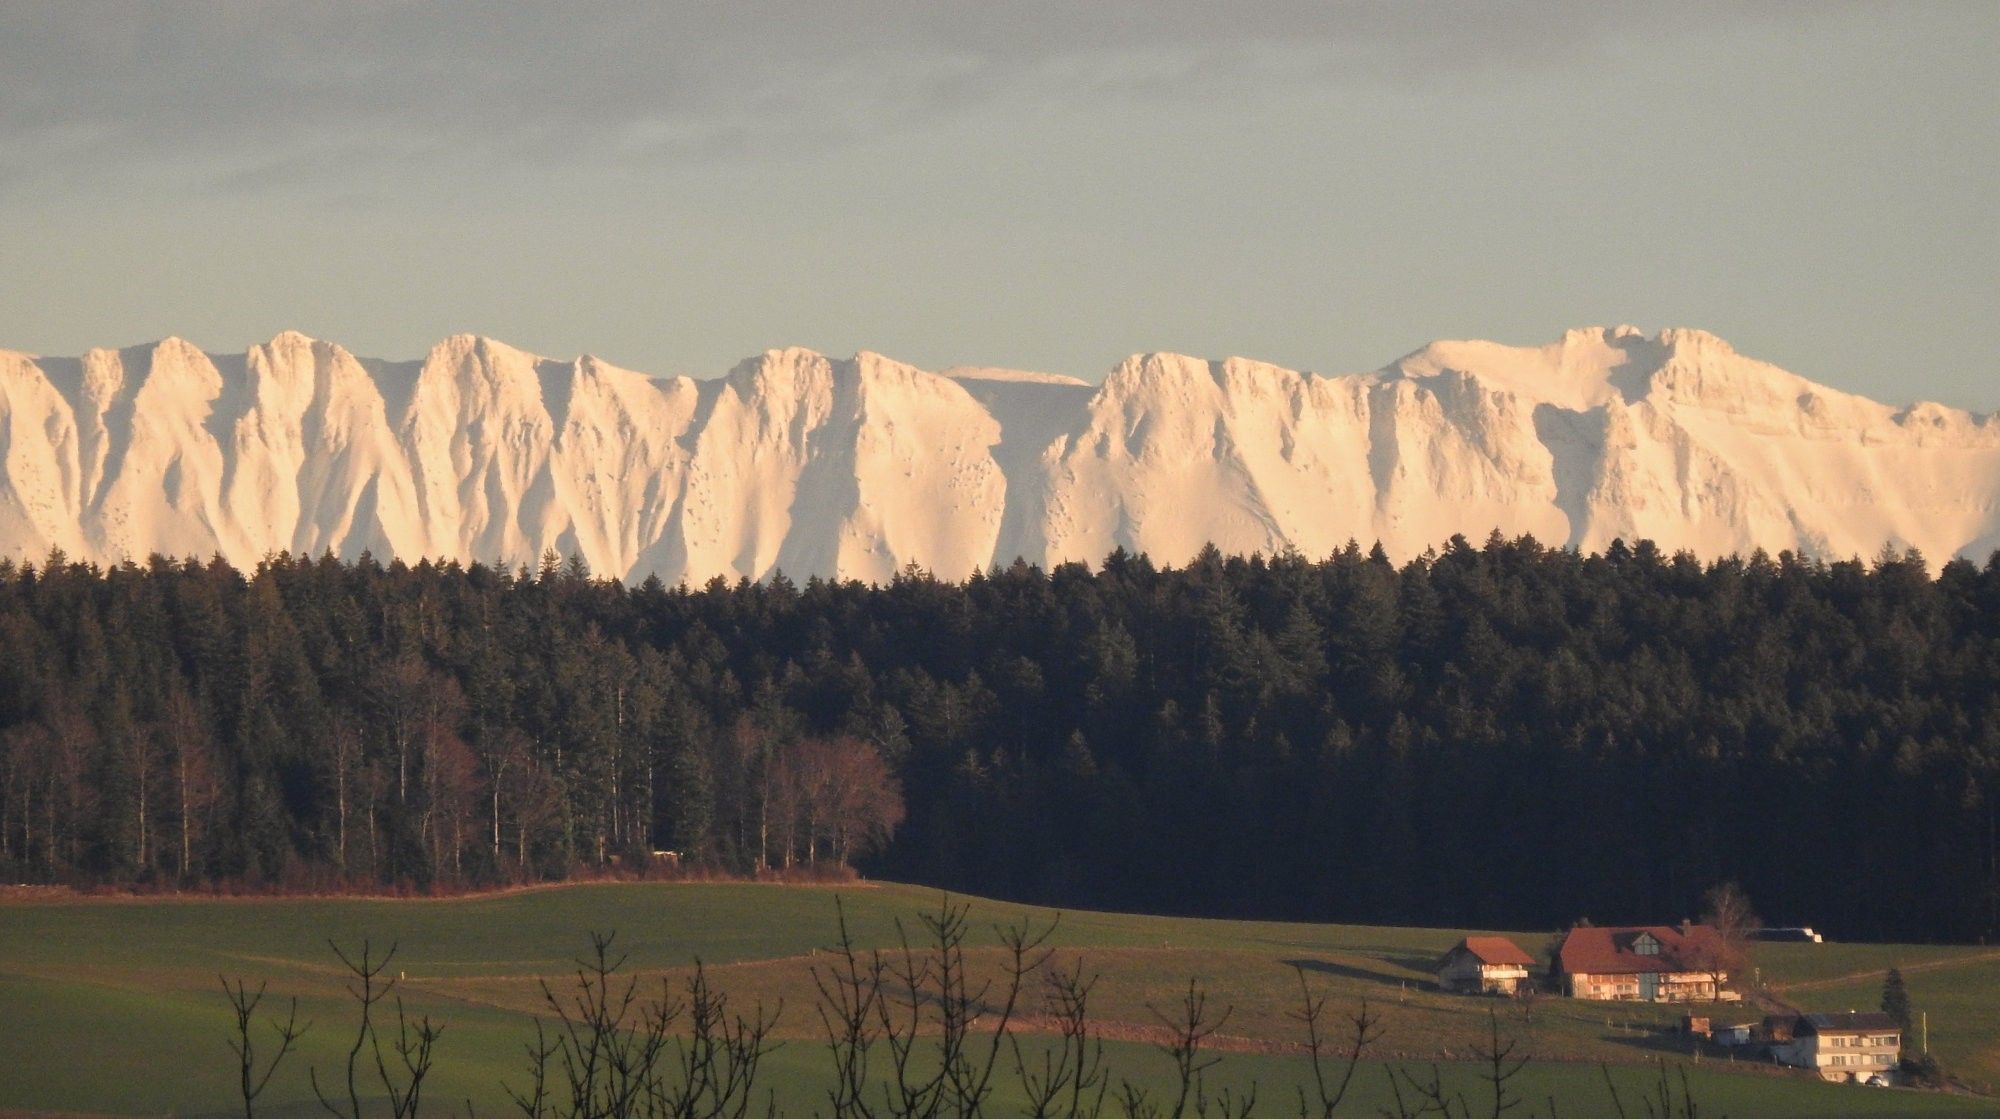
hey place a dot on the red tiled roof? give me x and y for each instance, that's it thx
(1608, 951)
(1494, 950)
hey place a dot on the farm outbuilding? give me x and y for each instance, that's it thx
(1484, 965)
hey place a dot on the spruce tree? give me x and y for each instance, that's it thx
(1896, 1000)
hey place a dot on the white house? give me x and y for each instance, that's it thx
(1848, 1048)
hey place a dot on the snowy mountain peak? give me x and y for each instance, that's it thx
(1695, 342)
(856, 467)
(1584, 369)
(291, 340)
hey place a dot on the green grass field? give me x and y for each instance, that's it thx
(113, 1006)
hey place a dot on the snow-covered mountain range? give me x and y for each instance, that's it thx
(857, 467)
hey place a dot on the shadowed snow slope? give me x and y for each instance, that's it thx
(856, 468)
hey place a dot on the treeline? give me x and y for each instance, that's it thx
(1506, 735)
(318, 725)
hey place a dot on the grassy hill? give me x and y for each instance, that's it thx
(113, 1005)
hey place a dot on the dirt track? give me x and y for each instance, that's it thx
(1906, 969)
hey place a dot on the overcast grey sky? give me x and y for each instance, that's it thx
(1048, 185)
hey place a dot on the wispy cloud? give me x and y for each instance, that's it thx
(251, 96)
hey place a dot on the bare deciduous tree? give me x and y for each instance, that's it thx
(243, 1003)
(1191, 1026)
(1365, 1029)
(1726, 911)
(196, 786)
(413, 1044)
(1070, 1082)
(1668, 1097)
(920, 1003)
(824, 796)
(614, 1055)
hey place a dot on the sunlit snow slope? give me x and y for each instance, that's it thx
(855, 468)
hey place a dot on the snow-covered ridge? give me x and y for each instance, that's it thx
(855, 468)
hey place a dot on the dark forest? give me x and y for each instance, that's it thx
(1497, 736)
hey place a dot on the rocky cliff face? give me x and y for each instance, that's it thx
(856, 468)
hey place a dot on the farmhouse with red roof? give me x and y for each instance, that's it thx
(1643, 963)
(1491, 965)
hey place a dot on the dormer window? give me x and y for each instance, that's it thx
(1645, 945)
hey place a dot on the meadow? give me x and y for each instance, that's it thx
(113, 1005)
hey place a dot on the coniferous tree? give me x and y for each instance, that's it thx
(1896, 1000)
